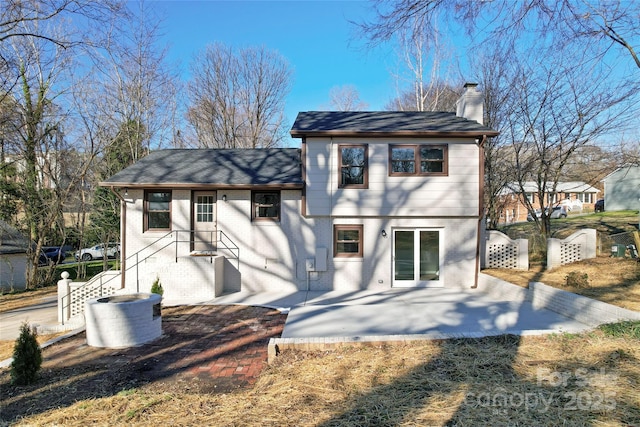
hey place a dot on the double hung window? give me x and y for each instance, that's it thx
(347, 241)
(418, 160)
(353, 166)
(157, 210)
(265, 205)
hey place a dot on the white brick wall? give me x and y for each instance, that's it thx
(500, 251)
(583, 309)
(578, 246)
(124, 324)
(586, 310)
(272, 255)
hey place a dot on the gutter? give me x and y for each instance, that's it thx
(480, 210)
(123, 236)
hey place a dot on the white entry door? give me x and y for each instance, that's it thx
(204, 220)
(417, 257)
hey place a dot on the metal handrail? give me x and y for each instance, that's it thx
(226, 243)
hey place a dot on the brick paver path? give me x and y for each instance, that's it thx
(203, 348)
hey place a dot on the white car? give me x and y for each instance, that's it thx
(98, 251)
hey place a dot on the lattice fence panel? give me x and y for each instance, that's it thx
(501, 255)
(570, 252)
(80, 295)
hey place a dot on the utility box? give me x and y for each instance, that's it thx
(618, 250)
(310, 264)
(321, 259)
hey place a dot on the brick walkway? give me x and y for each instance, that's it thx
(204, 348)
(232, 344)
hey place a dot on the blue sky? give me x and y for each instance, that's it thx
(314, 36)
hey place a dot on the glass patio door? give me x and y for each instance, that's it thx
(417, 257)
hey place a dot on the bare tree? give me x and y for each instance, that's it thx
(125, 106)
(346, 98)
(38, 49)
(237, 99)
(33, 20)
(594, 25)
(437, 96)
(495, 80)
(422, 82)
(38, 133)
(551, 117)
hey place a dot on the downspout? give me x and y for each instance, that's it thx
(480, 210)
(123, 237)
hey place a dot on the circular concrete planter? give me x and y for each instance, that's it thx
(123, 320)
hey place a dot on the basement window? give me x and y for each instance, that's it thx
(347, 241)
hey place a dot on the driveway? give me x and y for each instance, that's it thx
(44, 313)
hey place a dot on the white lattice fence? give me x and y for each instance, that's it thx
(102, 285)
(579, 246)
(504, 252)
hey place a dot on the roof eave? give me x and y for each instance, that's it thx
(405, 134)
(212, 186)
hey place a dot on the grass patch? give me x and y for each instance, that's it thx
(92, 268)
(627, 329)
(603, 222)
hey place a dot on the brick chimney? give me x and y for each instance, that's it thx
(470, 104)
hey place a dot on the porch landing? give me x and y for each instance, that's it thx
(427, 312)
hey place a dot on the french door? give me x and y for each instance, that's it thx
(417, 257)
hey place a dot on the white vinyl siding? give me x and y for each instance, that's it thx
(435, 196)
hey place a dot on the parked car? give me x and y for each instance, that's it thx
(556, 213)
(56, 254)
(112, 250)
(538, 214)
(572, 204)
(599, 206)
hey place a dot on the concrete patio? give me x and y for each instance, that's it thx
(438, 312)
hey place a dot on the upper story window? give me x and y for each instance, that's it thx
(157, 210)
(418, 160)
(265, 205)
(353, 166)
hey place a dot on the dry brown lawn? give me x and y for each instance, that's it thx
(572, 380)
(612, 280)
(17, 300)
(588, 379)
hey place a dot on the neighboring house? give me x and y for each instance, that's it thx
(372, 200)
(574, 195)
(622, 189)
(13, 258)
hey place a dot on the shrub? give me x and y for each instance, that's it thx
(577, 280)
(27, 357)
(156, 288)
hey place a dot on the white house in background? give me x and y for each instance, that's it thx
(622, 189)
(13, 258)
(371, 200)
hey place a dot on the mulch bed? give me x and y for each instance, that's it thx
(203, 349)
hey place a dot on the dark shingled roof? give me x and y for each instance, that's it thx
(11, 241)
(278, 167)
(382, 123)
